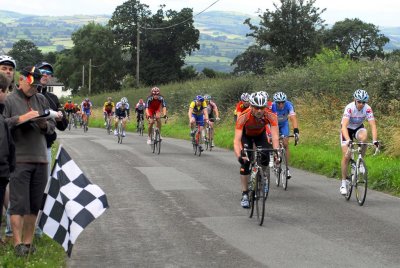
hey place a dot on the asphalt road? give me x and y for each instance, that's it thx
(180, 210)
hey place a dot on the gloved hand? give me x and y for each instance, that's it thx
(241, 160)
(376, 143)
(349, 143)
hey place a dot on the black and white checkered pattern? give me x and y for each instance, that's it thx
(71, 202)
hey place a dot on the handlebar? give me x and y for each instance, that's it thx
(359, 143)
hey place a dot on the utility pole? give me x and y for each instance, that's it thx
(137, 54)
(83, 75)
(90, 74)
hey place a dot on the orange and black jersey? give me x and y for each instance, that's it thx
(254, 126)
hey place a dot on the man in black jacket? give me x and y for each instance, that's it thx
(61, 121)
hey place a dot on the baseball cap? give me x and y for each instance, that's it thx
(44, 64)
(33, 74)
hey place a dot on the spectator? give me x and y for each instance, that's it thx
(61, 121)
(28, 181)
(7, 67)
(7, 152)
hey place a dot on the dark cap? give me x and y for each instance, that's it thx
(33, 74)
(44, 64)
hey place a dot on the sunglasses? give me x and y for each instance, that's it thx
(361, 102)
(280, 102)
(47, 72)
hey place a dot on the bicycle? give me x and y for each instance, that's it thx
(141, 125)
(120, 129)
(155, 136)
(281, 167)
(108, 124)
(258, 185)
(209, 138)
(70, 120)
(357, 171)
(196, 136)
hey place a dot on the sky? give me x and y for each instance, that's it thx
(380, 13)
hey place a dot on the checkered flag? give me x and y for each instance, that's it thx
(71, 202)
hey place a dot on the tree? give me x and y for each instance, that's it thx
(25, 53)
(293, 32)
(96, 43)
(165, 39)
(253, 60)
(356, 39)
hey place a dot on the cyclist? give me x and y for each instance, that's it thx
(7, 67)
(197, 115)
(139, 110)
(242, 105)
(69, 109)
(154, 103)
(121, 113)
(352, 127)
(285, 111)
(108, 110)
(86, 108)
(249, 130)
(212, 109)
(78, 114)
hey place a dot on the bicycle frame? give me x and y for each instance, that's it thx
(198, 135)
(209, 138)
(120, 130)
(156, 136)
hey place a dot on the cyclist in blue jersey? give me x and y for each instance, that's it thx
(121, 113)
(285, 111)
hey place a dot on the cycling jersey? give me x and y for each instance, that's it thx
(155, 104)
(211, 107)
(140, 107)
(68, 107)
(356, 117)
(284, 113)
(121, 111)
(198, 109)
(240, 107)
(85, 107)
(254, 126)
(108, 107)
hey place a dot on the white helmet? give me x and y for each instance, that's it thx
(361, 95)
(264, 93)
(245, 97)
(280, 97)
(5, 58)
(124, 100)
(258, 99)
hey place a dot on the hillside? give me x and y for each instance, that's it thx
(222, 35)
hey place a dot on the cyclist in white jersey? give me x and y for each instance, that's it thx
(353, 118)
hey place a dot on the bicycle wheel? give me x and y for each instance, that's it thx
(252, 195)
(349, 179)
(157, 141)
(69, 122)
(119, 132)
(361, 182)
(262, 195)
(284, 169)
(277, 172)
(206, 139)
(141, 127)
(153, 139)
(211, 138)
(198, 134)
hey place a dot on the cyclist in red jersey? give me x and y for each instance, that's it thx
(249, 130)
(242, 105)
(154, 104)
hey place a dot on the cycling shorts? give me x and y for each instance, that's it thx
(86, 111)
(260, 140)
(199, 119)
(284, 129)
(353, 133)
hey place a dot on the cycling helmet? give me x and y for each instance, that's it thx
(264, 93)
(207, 97)
(280, 97)
(141, 101)
(245, 97)
(124, 100)
(86, 99)
(69, 101)
(4, 59)
(258, 99)
(109, 99)
(155, 91)
(199, 98)
(361, 95)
